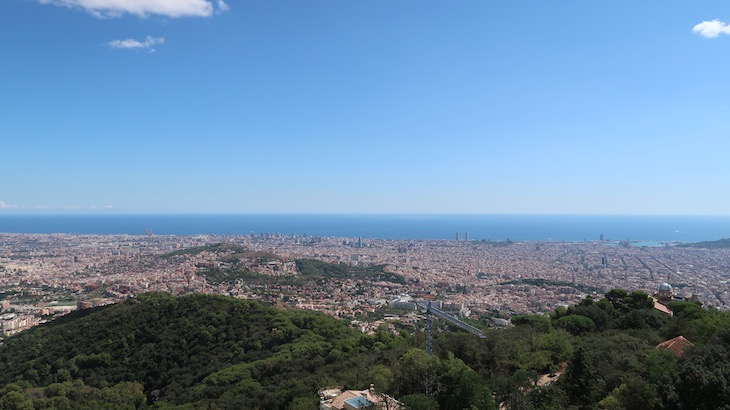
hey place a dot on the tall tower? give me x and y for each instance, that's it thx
(457, 236)
(466, 236)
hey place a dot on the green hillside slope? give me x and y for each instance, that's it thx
(214, 352)
(192, 349)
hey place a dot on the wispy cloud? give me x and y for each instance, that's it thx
(5, 205)
(711, 29)
(105, 207)
(144, 8)
(148, 43)
(43, 207)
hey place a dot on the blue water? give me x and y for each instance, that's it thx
(488, 227)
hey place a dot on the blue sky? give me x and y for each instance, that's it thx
(364, 106)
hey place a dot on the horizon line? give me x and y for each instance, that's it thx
(346, 214)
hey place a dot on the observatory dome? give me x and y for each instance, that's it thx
(665, 287)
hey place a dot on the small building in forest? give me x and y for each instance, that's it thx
(337, 399)
(675, 345)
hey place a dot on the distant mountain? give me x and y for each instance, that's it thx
(721, 243)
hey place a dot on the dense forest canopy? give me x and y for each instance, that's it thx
(236, 268)
(200, 351)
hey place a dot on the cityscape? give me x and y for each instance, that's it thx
(364, 205)
(49, 275)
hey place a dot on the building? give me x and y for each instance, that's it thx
(335, 399)
(356, 403)
(84, 304)
(17, 324)
(403, 305)
(661, 307)
(676, 345)
(453, 306)
(665, 293)
(403, 302)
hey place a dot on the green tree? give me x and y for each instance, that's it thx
(419, 402)
(513, 393)
(594, 312)
(700, 380)
(303, 403)
(576, 324)
(538, 322)
(580, 381)
(415, 371)
(638, 300)
(616, 297)
(460, 387)
(636, 394)
(548, 398)
(557, 344)
(16, 400)
(382, 380)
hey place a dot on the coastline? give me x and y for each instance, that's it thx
(523, 228)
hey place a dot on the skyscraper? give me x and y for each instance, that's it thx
(457, 236)
(466, 236)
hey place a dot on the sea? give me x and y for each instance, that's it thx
(641, 230)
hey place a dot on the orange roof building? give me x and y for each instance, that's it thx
(356, 400)
(676, 345)
(661, 307)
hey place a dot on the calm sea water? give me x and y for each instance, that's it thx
(488, 227)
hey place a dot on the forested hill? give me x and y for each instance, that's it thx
(204, 352)
(174, 350)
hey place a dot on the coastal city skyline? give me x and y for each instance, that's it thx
(653, 230)
(364, 204)
(199, 106)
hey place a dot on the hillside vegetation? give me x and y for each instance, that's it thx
(319, 270)
(200, 352)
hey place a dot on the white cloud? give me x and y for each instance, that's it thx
(43, 207)
(148, 43)
(4, 205)
(108, 207)
(73, 207)
(711, 29)
(143, 8)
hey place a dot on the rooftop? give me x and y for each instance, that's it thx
(675, 345)
(358, 402)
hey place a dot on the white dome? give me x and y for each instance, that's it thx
(665, 287)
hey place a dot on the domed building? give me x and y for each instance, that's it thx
(665, 293)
